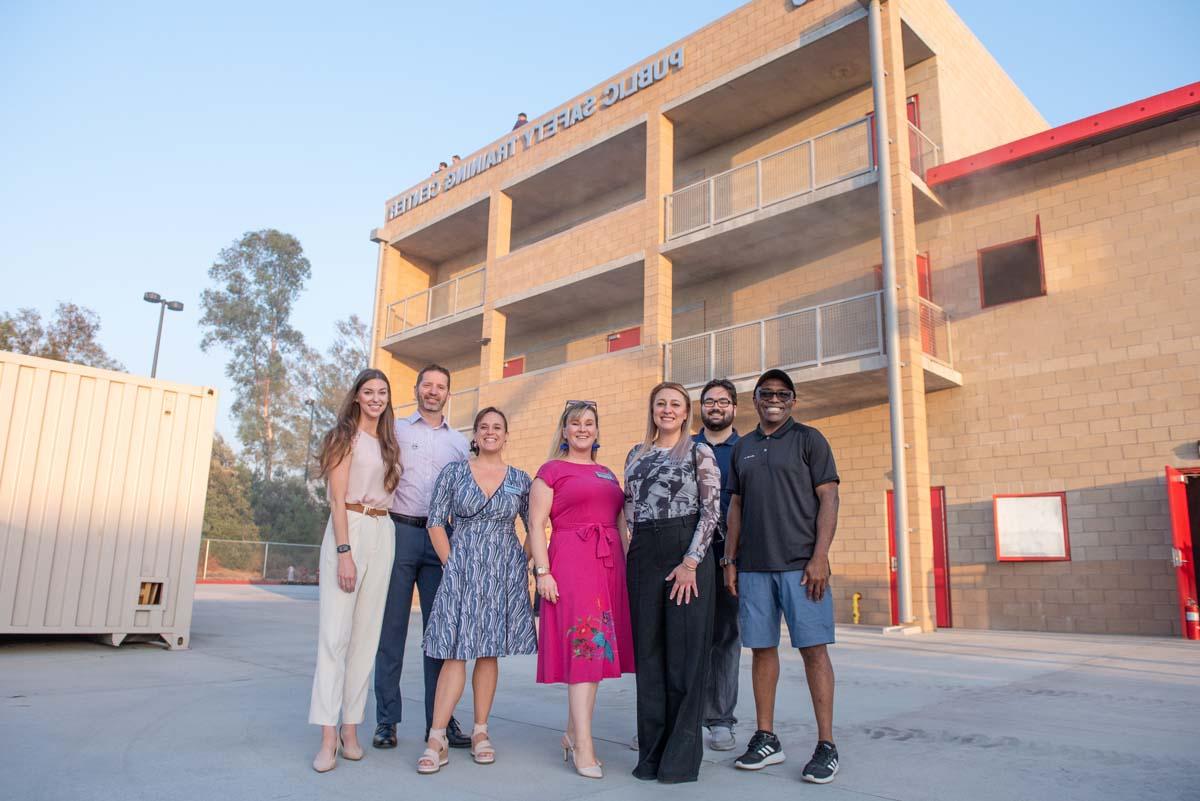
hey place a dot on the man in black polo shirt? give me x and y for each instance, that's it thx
(782, 516)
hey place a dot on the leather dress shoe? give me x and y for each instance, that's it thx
(385, 736)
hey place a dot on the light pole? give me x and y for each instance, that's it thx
(173, 305)
(308, 444)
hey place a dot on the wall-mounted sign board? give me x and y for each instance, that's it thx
(1031, 528)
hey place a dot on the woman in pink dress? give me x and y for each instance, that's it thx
(585, 634)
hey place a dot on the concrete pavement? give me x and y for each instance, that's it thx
(949, 716)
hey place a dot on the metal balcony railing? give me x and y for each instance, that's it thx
(807, 337)
(810, 337)
(924, 153)
(460, 409)
(935, 333)
(460, 294)
(796, 170)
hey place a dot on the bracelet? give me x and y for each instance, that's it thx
(686, 566)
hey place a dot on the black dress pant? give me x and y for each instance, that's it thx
(671, 645)
(415, 564)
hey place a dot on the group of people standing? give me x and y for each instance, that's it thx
(705, 545)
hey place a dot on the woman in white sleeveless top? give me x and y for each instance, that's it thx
(360, 460)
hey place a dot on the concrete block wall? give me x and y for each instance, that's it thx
(1090, 390)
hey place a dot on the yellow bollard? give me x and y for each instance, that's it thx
(854, 599)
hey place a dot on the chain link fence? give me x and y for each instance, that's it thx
(251, 561)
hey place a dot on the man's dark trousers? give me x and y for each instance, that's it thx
(416, 563)
(722, 690)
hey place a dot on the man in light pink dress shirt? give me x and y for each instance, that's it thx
(427, 444)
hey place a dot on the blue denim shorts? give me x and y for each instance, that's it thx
(764, 598)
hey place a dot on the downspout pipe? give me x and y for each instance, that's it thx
(891, 324)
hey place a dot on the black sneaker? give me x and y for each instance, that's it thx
(764, 749)
(824, 764)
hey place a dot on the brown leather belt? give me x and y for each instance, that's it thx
(363, 509)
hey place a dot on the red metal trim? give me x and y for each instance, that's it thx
(1062, 496)
(1072, 133)
(1181, 539)
(629, 338)
(1037, 237)
(513, 366)
(893, 588)
(941, 558)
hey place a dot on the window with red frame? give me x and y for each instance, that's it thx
(1012, 271)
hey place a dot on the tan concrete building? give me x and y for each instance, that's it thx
(714, 211)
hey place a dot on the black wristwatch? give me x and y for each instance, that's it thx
(344, 548)
(725, 561)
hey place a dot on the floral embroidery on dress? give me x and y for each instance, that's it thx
(591, 637)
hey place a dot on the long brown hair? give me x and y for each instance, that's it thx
(681, 449)
(335, 445)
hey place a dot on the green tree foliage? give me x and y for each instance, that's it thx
(324, 379)
(227, 512)
(69, 337)
(248, 313)
(285, 511)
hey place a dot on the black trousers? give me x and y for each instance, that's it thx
(416, 564)
(671, 645)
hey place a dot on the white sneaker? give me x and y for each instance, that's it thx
(720, 738)
(633, 744)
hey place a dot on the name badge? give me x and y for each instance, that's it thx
(605, 475)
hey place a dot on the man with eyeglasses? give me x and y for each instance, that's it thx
(718, 407)
(781, 520)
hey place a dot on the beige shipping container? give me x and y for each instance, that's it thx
(103, 477)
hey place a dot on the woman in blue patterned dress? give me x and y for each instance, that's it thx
(481, 610)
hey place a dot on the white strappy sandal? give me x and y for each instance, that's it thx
(432, 761)
(482, 752)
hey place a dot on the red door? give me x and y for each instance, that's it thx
(941, 558)
(1181, 541)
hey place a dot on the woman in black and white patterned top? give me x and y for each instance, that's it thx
(672, 503)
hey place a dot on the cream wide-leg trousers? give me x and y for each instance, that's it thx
(350, 621)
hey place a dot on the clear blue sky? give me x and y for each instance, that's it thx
(138, 139)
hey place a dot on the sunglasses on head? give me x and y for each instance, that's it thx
(589, 404)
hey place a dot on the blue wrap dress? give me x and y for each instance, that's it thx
(482, 606)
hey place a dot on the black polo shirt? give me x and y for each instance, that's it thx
(777, 476)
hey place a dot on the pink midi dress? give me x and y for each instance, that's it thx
(585, 636)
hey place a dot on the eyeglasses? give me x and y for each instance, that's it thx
(589, 404)
(784, 395)
(719, 403)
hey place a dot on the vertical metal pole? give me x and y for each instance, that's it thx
(758, 184)
(266, 552)
(887, 236)
(762, 346)
(207, 547)
(712, 358)
(820, 344)
(162, 312)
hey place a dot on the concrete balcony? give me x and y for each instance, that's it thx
(833, 351)
(809, 195)
(443, 320)
(460, 409)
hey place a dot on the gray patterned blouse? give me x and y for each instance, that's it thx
(658, 489)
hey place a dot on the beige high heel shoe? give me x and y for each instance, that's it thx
(587, 771)
(325, 765)
(354, 754)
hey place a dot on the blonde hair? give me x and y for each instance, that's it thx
(573, 412)
(679, 453)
